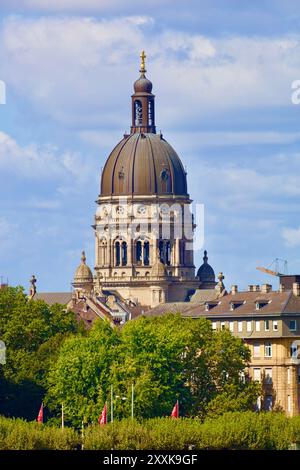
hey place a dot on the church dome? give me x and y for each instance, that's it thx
(158, 269)
(83, 274)
(142, 85)
(143, 164)
(206, 273)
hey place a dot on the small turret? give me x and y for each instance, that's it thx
(83, 278)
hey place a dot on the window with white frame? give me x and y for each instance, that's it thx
(256, 374)
(268, 350)
(289, 403)
(267, 325)
(249, 326)
(294, 351)
(240, 326)
(214, 325)
(288, 376)
(256, 350)
(293, 325)
(275, 325)
(257, 325)
(222, 325)
(268, 375)
(231, 326)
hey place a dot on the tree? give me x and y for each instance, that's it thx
(80, 379)
(166, 358)
(33, 332)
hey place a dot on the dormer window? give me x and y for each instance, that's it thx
(261, 303)
(235, 305)
(210, 305)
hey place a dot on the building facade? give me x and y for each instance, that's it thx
(269, 323)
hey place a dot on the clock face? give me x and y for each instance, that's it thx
(120, 210)
(142, 210)
(104, 211)
(164, 209)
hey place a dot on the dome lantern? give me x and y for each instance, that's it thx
(143, 102)
(83, 278)
(206, 274)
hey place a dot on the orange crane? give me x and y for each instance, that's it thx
(268, 271)
(276, 272)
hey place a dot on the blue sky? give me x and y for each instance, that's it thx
(222, 74)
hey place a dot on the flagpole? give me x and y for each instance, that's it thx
(82, 434)
(111, 404)
(62, 416)
(132, 401)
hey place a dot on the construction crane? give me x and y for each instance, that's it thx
(275, 272)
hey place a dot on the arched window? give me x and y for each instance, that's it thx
(138, 113)
(117, 254)
(146, 253)
(138, 253)
(124, 253)
(103, 252)
(150, 113)
(182, 252)
(168, 253)
(161, 251)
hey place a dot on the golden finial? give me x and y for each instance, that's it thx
(143, 65)
(83, 258)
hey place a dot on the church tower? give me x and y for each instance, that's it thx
(143, 223)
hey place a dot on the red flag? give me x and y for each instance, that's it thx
(175, 412)
(40, 415)
(103, 417)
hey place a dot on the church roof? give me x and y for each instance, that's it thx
(205, 272)
(143, 164)
(83, 273)
(158, 269)
(54, 297)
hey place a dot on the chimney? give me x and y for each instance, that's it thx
(234, 289)
(265, 288)
(281, 288)
(296, 289)
(250, 288)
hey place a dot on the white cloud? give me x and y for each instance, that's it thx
(291, 236)
(80, 70)
(68, 169)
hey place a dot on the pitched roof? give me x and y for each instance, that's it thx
(277, 303)
(54, 297)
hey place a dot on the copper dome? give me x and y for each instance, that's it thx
(143, 164)
(142, 85)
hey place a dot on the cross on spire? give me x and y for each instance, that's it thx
(143, 62)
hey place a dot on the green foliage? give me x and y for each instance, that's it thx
(166, 358)
(238, 397)
(80, 377)
(238, 431)
(33, 333)
(16, 434)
